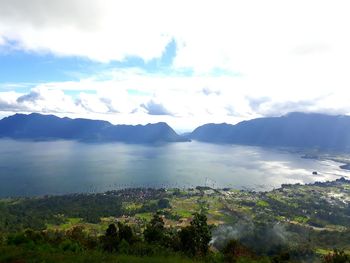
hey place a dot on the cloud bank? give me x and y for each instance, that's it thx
(231, 60)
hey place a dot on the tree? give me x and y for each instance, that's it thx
(154, 232)
(163, 203)
(76, 234)
(110, 240)
(187, 240)
(196, 237)
(125, 233)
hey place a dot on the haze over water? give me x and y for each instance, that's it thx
(56, 167)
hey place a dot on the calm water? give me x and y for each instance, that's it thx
(37, 168)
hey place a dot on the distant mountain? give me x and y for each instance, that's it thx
(43, 127)
(294, 130)
(307, 130)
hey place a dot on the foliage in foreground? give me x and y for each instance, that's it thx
(11, 254)
(293, 224)
(120, 244)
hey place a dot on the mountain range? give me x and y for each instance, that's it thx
(42, 127)
(306, 130)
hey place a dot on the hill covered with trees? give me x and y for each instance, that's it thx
(305, 130)
(43, 127)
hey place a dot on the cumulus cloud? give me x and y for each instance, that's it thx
(207, 91)
(231, 111)
(281, 108)
(256, 103)
(110, 105)
(41, 13)
(99, 30)
(43, 100)
(139, 97)
(8, 102)
(309, 49)
(92, 103)
(33, 96)
(290, 58)
(328, 104)
(222, 34)
(154, 108)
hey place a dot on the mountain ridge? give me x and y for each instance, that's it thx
(41, 127)
(297, 129)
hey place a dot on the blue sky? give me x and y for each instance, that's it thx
(18, 66)
(186, 63)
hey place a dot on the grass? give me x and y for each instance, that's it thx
(71, 221)
(185, 207)
(301, 219)
(183, 213)
(322, 252)
(11, 201)
(145, 216)
(155, 259)
(186, 203)
(129, 206)
(280, 218)
(48, 254)
(90, 228)
(262, 203)
(12, 254)
(228, 219)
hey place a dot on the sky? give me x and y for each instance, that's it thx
(182, 62)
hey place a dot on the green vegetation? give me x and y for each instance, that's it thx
(262, 203)
(291, 224)
(52, 255)
(120, 243)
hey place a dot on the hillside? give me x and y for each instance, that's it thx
(306, 130)
(303, 222)
(42, 127)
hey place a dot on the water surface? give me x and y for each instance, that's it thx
(57, 167)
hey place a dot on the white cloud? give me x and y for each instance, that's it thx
(44, 100)
(184, 102)
(155, 108)
(276, 56)
(238, 35)
(100, 30)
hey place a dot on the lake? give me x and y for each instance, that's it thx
(55, 167)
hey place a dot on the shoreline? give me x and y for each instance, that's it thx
(344, 164)
(199, 188)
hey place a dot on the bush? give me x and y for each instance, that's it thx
(234, 250)
(17, 239)
(71, 246)
(163, 203)
(145, 249)
(337, 256)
